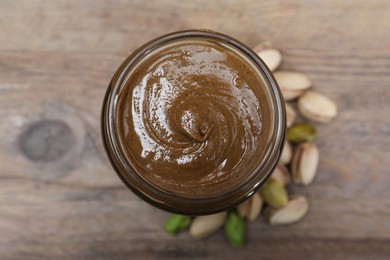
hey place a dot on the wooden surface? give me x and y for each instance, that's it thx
(59, 197)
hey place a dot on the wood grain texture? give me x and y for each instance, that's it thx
(56, 59)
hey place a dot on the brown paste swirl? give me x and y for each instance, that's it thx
(194, 118)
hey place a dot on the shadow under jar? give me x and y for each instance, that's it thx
(193, 122)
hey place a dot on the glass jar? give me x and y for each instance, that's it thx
(164, 199)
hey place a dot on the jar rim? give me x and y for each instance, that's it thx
(173, 202)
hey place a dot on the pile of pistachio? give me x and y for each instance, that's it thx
(298, 162)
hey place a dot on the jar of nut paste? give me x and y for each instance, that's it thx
(193, 122)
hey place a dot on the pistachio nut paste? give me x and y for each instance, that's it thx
(194, 119)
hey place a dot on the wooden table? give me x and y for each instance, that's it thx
(59, 197)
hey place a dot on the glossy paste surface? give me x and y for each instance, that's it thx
(194, 118)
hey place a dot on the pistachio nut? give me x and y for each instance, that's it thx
(204, 226)
(292, 84)
(281, 175)
(296, 208)
(244, 208)
(263, 46)
(177, 223)
(291, 115)
(251, 208)
(271, 57)
(274, 194)
(305, 163)
(317, 107)
(285, 157)
(235, 229)
(301, 132)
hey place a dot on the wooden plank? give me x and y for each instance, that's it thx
(56, 59)
(333, 26)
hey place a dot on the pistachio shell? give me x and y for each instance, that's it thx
(317, 107)
(305, 163)
(204, 226)
(301, 132)
(271, 57)
(263, 46)
(243, 208)
(274, 193)
(255, 208)
(291, 115)
(287, 153)
(296, 208)
(281, 175)
(250, 209)
(292, 84)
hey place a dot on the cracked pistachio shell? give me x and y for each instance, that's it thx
(287, 153)
(281, 174)
(251, 208)
(317, 107)
(292, 84)
(291, 115)
(305, 163)
(272, 57)
(295, 210)
(204, 226)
